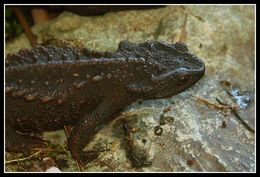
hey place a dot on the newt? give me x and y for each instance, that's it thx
(50, 86)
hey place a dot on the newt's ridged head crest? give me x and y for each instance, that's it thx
(178, 69)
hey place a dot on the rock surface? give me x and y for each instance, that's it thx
(180, 133)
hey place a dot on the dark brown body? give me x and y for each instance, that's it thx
(49, 87)
(74, 97)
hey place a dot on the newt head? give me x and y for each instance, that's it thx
(180, 69)
(173, 67)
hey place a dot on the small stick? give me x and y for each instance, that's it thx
(239, 118)
(182, 35)
(158, 30)
(218, 106)
(183, 30)
(32, 38)
(22, 159)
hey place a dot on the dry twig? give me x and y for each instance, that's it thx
(217, 106)
(28, 32)
(22, 159)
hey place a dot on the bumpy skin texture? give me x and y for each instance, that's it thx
(55, 85)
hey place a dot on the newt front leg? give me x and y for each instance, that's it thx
(82, 134)
(86, 128)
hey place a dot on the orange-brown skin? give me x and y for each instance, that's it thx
(51, 86)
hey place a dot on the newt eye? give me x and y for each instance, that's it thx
(183, 79)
